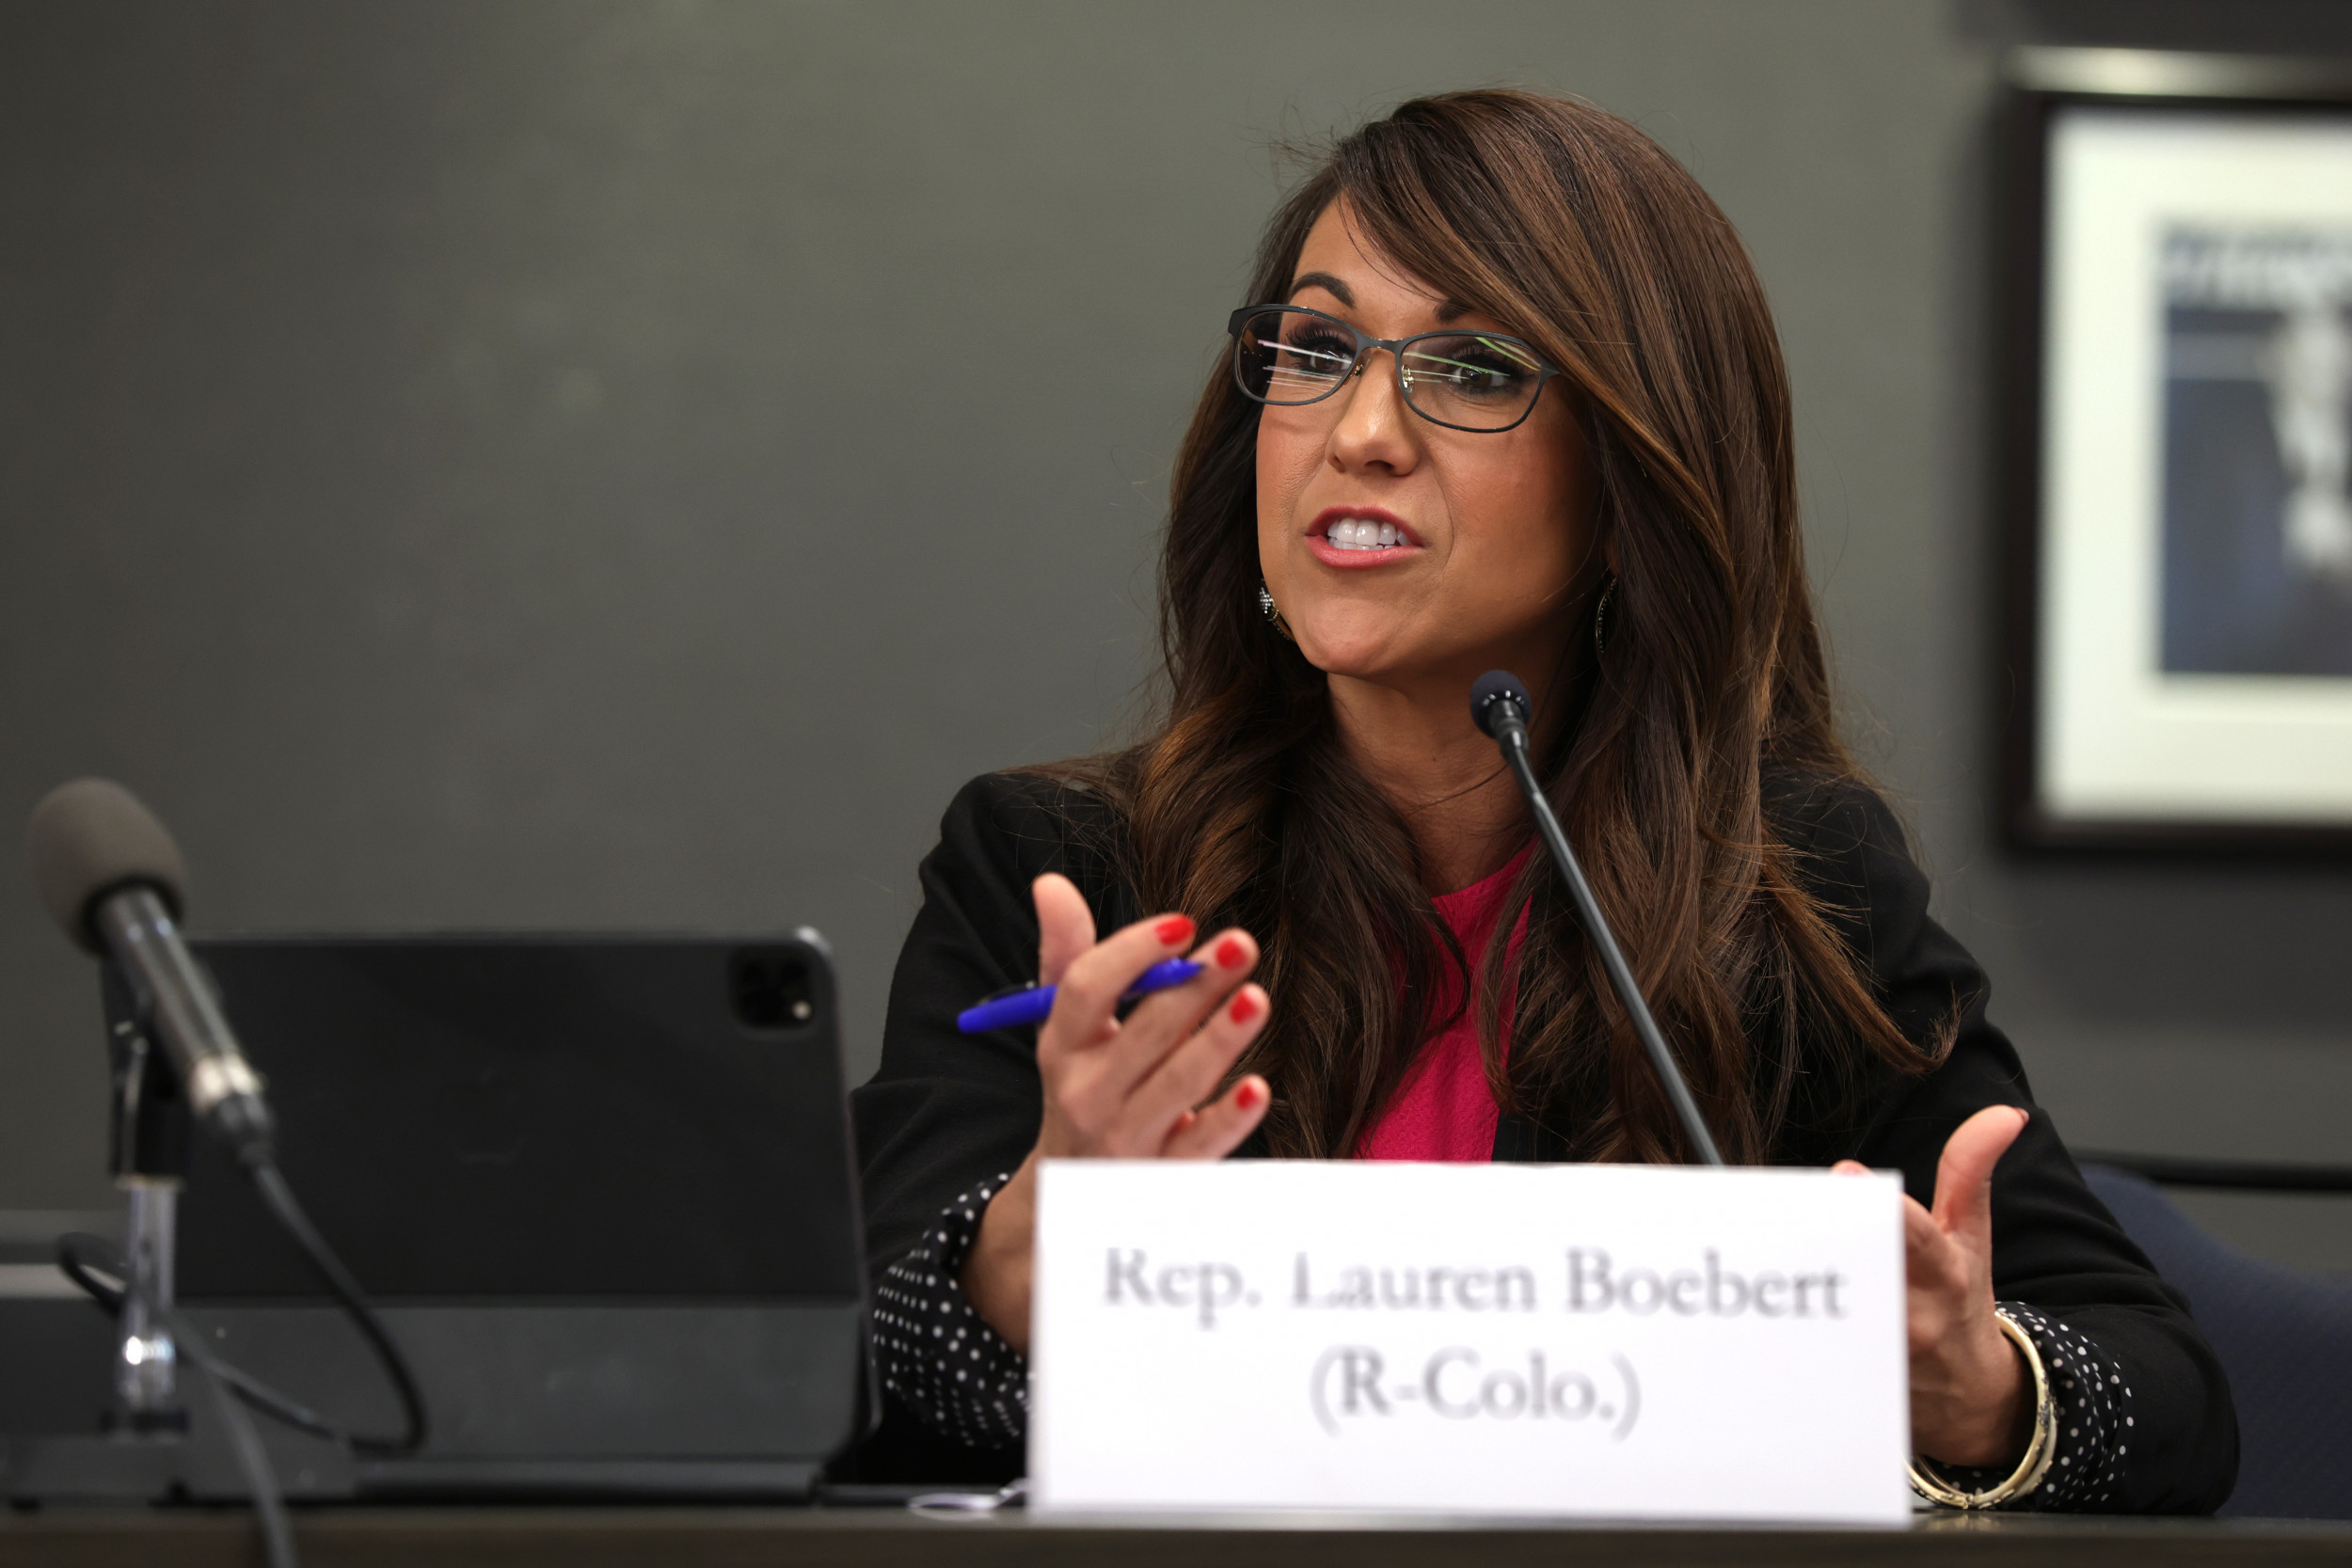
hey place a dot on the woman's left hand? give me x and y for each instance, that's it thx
(1971, 1398)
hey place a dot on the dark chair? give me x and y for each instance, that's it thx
(2285, 1339)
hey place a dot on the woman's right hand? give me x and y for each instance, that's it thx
(1131, 1089)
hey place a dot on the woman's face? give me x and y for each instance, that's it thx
(1492, 529)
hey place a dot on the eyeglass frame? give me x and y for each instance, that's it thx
(1545, 368)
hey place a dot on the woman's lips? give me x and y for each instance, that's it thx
(1353, 539)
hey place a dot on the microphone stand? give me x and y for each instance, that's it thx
(1501, 707)
(142, 1451)
(152, 1128)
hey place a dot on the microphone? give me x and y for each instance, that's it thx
(1499, 705)
(113, 879)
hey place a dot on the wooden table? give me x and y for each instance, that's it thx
(885, 1538)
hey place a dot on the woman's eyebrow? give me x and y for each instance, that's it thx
(1448, 310)
(1336, 287)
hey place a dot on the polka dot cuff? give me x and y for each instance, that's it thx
(2095, 1421)
(936, 1354)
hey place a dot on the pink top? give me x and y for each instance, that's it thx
(1443, 1110)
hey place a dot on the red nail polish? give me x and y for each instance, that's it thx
(1230, 953)
(1249, 1095)
(1175, 928)
(1245, 1007)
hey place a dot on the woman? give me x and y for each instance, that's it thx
(1507, 394)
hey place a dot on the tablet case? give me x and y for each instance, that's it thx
(600, 1188)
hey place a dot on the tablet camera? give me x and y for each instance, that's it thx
(772, 989)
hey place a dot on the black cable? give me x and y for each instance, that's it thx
(280, 1198)
(269, 1505)
(90, 1276)
(283, 1207)
(269, 1402)
(220, 1380)
(74, 1267)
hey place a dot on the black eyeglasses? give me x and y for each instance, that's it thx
(1289, 357)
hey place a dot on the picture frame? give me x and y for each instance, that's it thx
(2175, 412)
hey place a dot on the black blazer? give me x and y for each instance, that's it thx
(947, 1110)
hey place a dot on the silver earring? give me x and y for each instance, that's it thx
(1273, 616)
(1600, 618)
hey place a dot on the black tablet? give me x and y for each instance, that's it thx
(601, 1187)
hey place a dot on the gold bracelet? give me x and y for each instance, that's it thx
(2038, 1452)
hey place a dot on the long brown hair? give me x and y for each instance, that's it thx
(1581, 234)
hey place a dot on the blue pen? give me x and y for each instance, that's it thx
(1030, 1004)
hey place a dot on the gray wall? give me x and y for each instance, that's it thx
(476, 464)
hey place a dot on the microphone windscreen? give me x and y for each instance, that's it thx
(1493, 684)
(88, 838)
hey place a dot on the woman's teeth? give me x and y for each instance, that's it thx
(1362, 534)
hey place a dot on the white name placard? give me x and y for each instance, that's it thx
(1617, 1342)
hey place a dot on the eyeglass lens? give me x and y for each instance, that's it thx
(1473, 380)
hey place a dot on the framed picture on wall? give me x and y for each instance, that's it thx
(2180, 663)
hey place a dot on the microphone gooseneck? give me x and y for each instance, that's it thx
(1499, 704)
